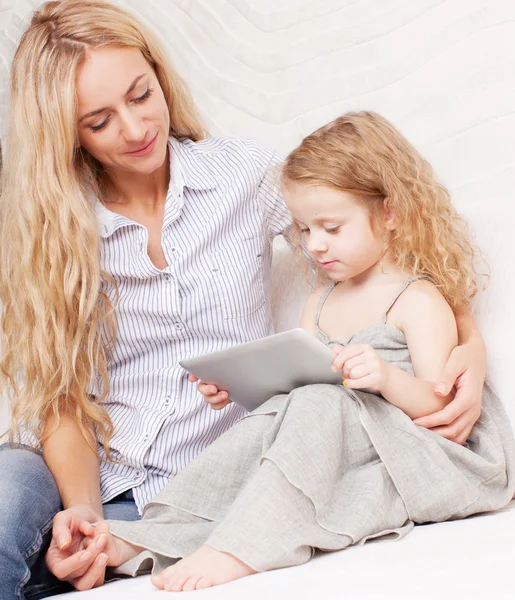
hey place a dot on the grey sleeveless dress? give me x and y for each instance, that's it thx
(324, 467)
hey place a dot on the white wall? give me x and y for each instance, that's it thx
(442, 70)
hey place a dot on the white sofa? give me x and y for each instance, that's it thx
(444, 72)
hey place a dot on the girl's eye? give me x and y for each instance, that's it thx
(95, 128)
(145, 96)
(333, 229)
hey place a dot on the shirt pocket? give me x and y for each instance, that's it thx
(238, 277)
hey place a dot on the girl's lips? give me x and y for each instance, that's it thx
(145, 150)
(327, 264)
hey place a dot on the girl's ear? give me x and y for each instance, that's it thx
(389, 217)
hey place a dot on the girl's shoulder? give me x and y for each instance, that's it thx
(420, 300)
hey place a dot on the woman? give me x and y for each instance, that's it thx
(131, 242)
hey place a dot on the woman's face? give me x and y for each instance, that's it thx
(123, 118)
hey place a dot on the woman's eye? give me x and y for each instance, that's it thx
(100, 125)
(304, 229)
(333, 229)
(146, 95)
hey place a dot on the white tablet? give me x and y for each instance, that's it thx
(254, 372)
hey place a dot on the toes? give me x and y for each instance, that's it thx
(203, 583)
(191, 583)
(174, 582)
(158, 581)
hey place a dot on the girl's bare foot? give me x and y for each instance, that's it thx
(204, 568)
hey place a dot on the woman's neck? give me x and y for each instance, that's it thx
(136, 189)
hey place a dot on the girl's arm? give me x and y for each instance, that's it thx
(431, 334)
(307, 320)
(466, 370)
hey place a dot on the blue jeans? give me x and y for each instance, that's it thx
(29, 499)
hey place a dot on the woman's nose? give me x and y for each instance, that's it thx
(133, 127)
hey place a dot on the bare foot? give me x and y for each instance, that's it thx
(204, 568)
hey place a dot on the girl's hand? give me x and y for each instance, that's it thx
(465, 370)
(212, 395)
(361, 367)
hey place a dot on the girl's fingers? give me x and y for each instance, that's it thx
(207, 389)
(357, 384)
(346, 354)
(217, 398)
(87, 528)
(351, 363)
(357, 372)
(220, 405)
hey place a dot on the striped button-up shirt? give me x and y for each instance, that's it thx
(222, 211)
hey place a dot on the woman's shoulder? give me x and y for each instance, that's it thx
(239, 149)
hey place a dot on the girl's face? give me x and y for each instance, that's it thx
(123, 118)
(336, 230)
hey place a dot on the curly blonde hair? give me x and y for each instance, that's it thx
(54, 312)
(363, 154)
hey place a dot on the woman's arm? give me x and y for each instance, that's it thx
(73, 463)
(75, 467)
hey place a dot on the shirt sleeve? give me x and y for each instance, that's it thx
(277, 216)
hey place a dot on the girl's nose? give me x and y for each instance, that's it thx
(316, 244)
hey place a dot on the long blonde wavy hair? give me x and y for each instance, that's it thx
(363, 154)
(53, 306)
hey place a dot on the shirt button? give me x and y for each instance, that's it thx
(167, 400)
(173, 250)
(177, 326)
(146, 436)
(137, 475)
(168, 278)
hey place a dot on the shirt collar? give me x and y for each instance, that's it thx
(187, 169)
(196, 172)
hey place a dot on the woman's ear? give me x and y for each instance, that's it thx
(389, 216)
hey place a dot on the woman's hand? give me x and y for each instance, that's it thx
(212, 395)
(69, 557)
(465, 369)
(361, 367)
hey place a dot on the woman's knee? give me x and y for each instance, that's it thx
(29, 497)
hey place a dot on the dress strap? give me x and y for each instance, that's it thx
(321, 334)
(403, 287)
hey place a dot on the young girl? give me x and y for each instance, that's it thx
(328, 466)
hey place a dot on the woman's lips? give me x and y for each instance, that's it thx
(145, 149)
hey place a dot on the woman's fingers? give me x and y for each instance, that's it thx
(94, 576)
(458, 430)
